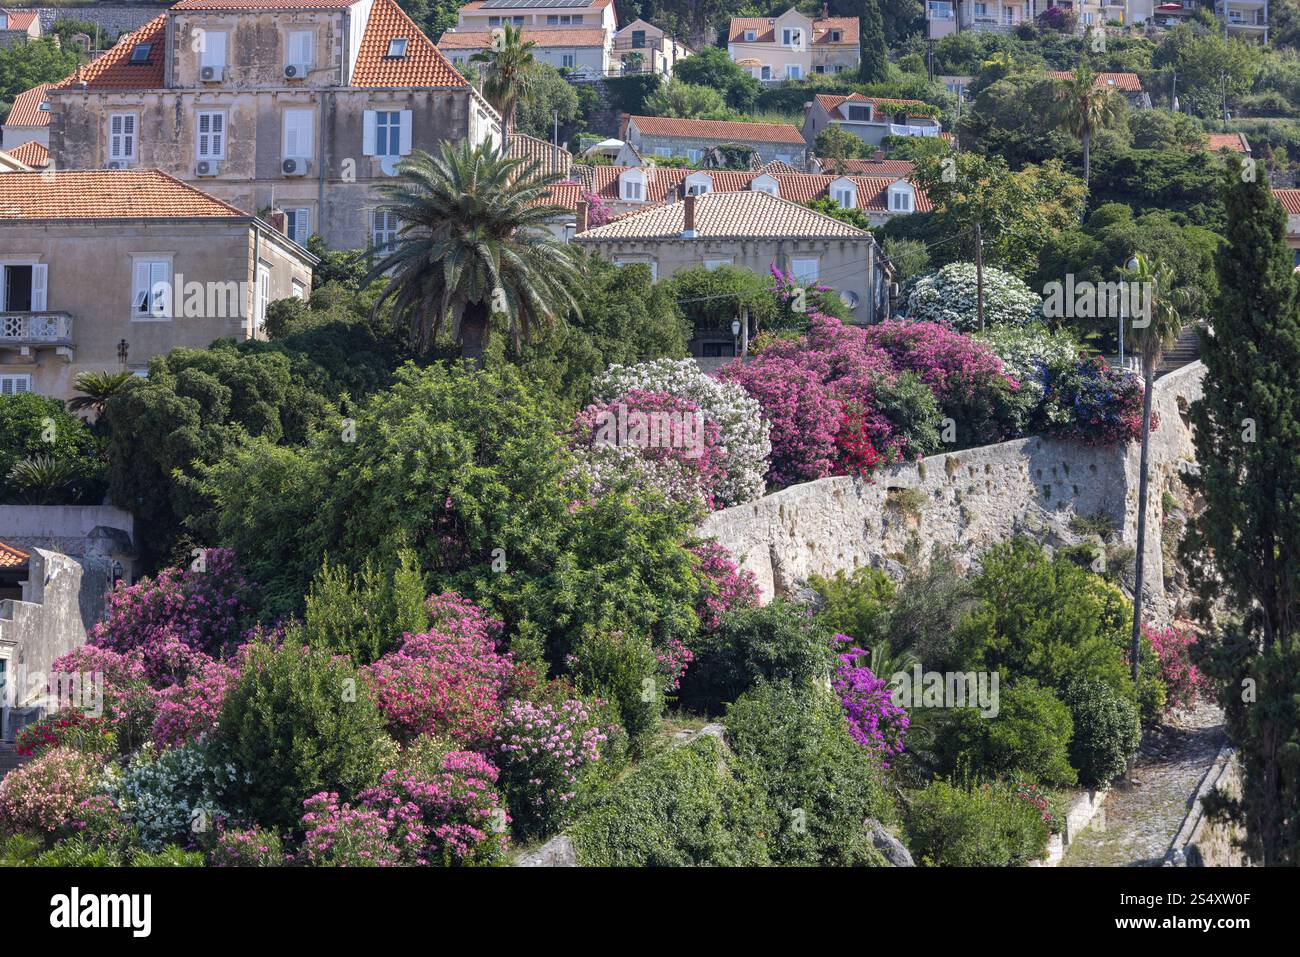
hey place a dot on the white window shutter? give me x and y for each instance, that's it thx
(140, 289)
(404, 148)
(216, 145)
(305, 52)
(214, 49)
(368, 133)
(40, 281)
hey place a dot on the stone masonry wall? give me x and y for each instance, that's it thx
(968, 501)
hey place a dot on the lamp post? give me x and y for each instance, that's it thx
(735, 335)
(123, 348)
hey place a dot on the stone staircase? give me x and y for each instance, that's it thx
(1185, 350)
(9, 758)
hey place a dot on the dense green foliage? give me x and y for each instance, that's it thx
(984, 826)
(36, 428)
(1106, 730)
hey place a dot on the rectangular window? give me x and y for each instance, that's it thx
(386, 133)
(210, 126)
(981, 9)
(14, 384)
(859, 114)
(263, 297)
(793, 71)
(765, 73)
(151, 289)
(663, 151)
(632, 191)
(213, 49)
(638, 39)
(297, 224)
(302, 47)
(567, 60)
(804, 270)
(694, 155)
(297, 134)
(299, 289)
(23, 288)
(383, 229)
(121, 137)
(844, 198)
(792, 38)
(750, 36)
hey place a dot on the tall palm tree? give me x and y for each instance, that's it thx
(1083, 107)
(509, 72)
(473, 243)
(1148, 336)
(97, 388)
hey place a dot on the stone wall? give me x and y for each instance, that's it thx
(48, 622)
(113, 19)
(969, 501)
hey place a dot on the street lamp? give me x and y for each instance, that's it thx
(123, 347)
(735, 334)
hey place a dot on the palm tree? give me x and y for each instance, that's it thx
(1148, 335)
(97, 389)
(509, 73)
(473, 243)
(1083, 107)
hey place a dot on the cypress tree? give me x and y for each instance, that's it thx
(871, 35)
(1245, 545)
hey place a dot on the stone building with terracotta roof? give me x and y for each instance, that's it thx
(794, 46)
(754, 230)
(19, 26)
(664, 136)
(29, 119)
(304, 105)
(104, 269)
(869, 118)
(31, 154)
(1290, 200)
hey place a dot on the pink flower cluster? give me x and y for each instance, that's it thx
(43, 794)
(447, 682)
(724, 585)
(1184, 682)
(954, 366)
(874, 721)
(99, 820)
(450, 818)
(199, 609)
(339, 835)
(248, 847)
(190, 709)
(674, 658)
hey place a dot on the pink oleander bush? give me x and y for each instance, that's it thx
(189, 709)
(674, 658)
(68, 728)
(337, 834)
(98, 820)
(128, 704)
(658, 441)
(542, 750)
(43, 795)
(248, 847)
(453, 817)
(874, 721)
(205, 610)
(1184, 682)
(723, 585)
(448, 682)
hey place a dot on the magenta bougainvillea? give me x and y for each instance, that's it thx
(205, 610)
(874, 721)
(724, 585)
(447, 682)
(1184, 682)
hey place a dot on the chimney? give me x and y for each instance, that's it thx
(582, 217)
(277, 221)
(826, 11)
(878, 156)
(688, 207)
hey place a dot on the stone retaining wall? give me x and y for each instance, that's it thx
(968, 501)
(112, 19)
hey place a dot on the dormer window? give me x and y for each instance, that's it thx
(751, 36)
(45, 106)
(397, 48)
(835, 36)
(140, 54)
(792, 38)
(901, 198)
(631, 186)
(765, 184)
(698, 184)
(858, 113)
(845, 193)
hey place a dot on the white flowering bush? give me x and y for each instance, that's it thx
(743, 442)
(169, 797)
(949, 295)
(1029, 351)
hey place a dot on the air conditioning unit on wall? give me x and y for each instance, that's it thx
(212, 74)
(295, 166)
(208, 168)
(295, 71)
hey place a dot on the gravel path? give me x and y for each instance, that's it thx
(1137, 824)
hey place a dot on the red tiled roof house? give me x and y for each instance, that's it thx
(793, 46)
(868, 118)
(664, 136)
(304, 104)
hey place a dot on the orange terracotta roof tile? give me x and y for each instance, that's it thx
(113, 69)
(32, 154)
(1124, 82)
(870, 167)
(776, 166)
(721, 131)
(764, 30)
(525, 4)
(1290, 200)
(27, 108)
(832, 102)
(1228, 141)
(548, 157)
(22, 19)
(11, 557)
(742, 215)
(423, 64)
(564, 194)
(106, 194)
(542, 36)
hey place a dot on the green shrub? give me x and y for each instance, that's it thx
(683, 808)
(622, 668)
(928, 607)
(171, 856)
(778, 642)
(1031, 734)
(18, 850)
(793, 744)
(39, 429)
(298, 722)
(1106, 731)
(76, 852)
(365, 615)
(856, 604)
(984, 826)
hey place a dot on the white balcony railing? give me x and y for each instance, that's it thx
(35, 329)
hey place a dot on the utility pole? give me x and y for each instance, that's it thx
(744, 332)
(979, 276)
